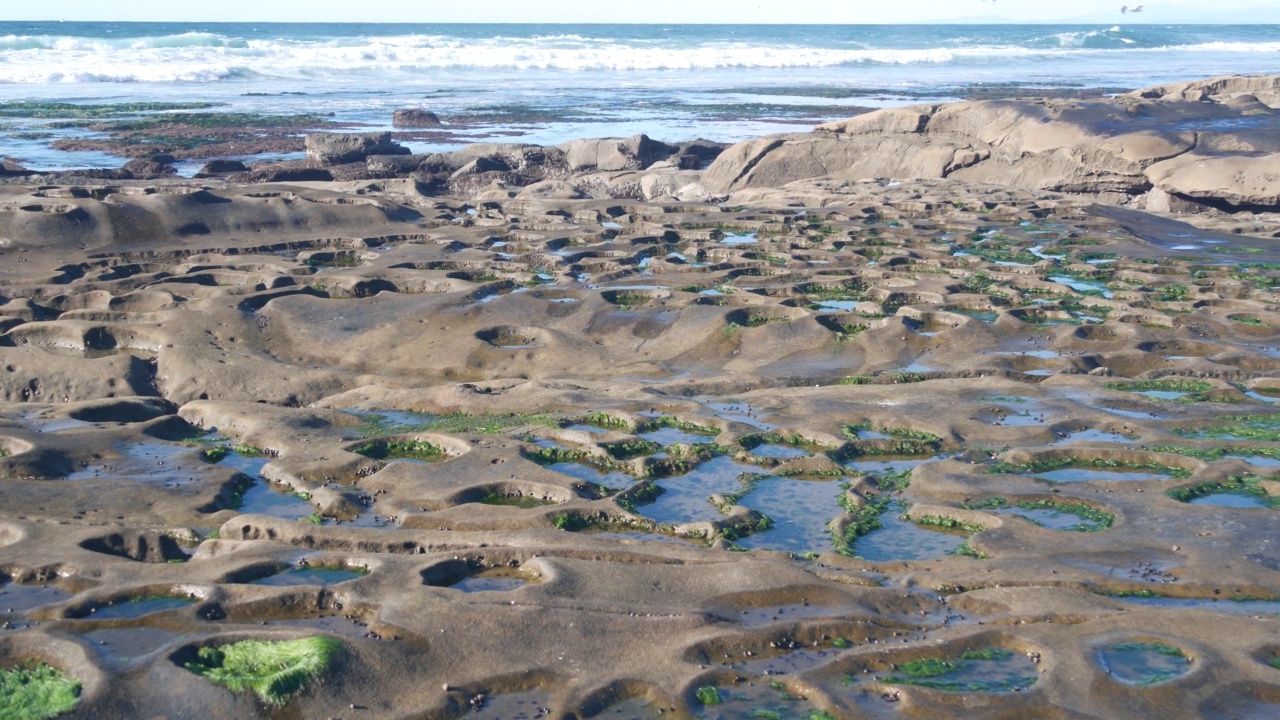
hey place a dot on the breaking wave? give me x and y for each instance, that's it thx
(200, 57)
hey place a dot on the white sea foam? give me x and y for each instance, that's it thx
(209, 57)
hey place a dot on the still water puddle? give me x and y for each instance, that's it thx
(500, 579)
(670, 436)
(137, 608)
(1143, 663)
(901, 539)
(1230, 500)
(781, 452)
(800, 510)
(1228, 606)
(885, 466)
(1051, 518)
(685, 497)
(17, 599)
(785, 662)
(590, 474)
(1082, 286)
(993, 670)
(311, 575)
(1066, 475)
(750, 700)
(154, 462)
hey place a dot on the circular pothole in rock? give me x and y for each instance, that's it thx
(1143, 661)
(471, 576)
(317, 574)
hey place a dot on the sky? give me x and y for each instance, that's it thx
(656, 11)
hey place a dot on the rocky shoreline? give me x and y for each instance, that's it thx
(952, 409)
(1196, 148)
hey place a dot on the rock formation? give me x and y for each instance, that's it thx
(341, 148)
(415, 118)
(1214, 143)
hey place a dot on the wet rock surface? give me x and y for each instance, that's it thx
(866, 448)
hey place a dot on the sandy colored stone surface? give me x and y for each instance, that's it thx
(1210, 143)
(656, 428)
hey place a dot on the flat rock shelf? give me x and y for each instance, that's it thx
(845, 447)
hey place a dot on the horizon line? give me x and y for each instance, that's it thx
(648, 24)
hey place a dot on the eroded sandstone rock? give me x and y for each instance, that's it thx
(1215, 142)
(341, 148)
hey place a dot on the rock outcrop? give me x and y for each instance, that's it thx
(327, 149)
(1215, 143)
(415, 118)
(607, 154)
(214, 168)
(292, 171)
(144, 169)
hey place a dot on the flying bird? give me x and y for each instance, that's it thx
(1125, 9)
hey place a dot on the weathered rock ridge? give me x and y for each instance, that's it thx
(1211, 142)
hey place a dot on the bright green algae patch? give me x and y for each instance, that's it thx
(991, 670)
(1161, 385)
(1256, 428)
(275, 671)
(400, 450)
(63, 111)
(1041, 512)
(1064, 463)
(1238, 485)
(378, 424)
(35, 692)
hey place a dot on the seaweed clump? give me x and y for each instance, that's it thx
(35, 692)
(274, 671)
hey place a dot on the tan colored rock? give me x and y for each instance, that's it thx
(1100, 148)
(612, 154)
(1239, 181)
(552, 189)
(1148, 147)
(668, 183)
(1159, 201)
(1198, 90)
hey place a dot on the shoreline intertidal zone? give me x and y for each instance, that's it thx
(830, 447)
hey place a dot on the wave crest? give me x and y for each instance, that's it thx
(209, 57)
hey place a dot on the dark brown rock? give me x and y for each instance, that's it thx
(9, 168)
(390, 166)
(415, 118)
(222, 167)
(284, 172)
(149, 169)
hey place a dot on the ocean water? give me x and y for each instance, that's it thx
(551, 83)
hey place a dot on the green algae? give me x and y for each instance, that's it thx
(274, 671)
(36, 691)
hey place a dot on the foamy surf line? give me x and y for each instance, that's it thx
(204, 60)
